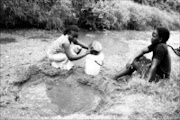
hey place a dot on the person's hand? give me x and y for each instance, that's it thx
(129, 65)
(75, 41)
(90, 45)
(94, 52)
(89, 48)
(88, 51)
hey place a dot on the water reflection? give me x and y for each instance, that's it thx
(112, 42)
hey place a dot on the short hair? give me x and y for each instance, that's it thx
(71, 28)
(163, 33)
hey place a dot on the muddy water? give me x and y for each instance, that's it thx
(112, 42)
(72, 99)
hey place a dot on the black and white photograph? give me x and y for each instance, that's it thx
(89, 59)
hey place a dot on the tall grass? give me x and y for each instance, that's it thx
(161, 100)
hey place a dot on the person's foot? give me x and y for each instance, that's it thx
(123, 79)
(115, 78)
(54, 64)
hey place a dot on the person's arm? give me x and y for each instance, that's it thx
(71, 56)
(80, 44)
(152, 71)
(137, 56)
(141, 53)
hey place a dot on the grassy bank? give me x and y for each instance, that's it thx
(91, 14)
(136, 99)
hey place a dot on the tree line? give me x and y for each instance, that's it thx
(90, 14)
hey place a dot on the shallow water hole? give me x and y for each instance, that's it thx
(58, 97)
(70, 99)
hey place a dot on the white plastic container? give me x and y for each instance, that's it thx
(93, 64)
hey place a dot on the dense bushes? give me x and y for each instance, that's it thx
(129, 15)
(90, 14)
(48, 14)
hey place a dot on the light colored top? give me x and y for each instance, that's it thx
(56, 54)
(93, 64)
(56, 46)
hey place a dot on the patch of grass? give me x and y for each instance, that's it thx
(161, 99)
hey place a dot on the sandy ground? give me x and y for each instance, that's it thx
(22, 48)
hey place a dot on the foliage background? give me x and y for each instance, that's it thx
(90, 14)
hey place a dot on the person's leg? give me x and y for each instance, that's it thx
(58, 60)
(142, 67)
(126, 71)
(59, 57)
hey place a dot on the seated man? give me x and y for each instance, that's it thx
(159, 67)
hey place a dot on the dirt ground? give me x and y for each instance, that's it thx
(136, 99)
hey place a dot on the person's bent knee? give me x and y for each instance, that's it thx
(135, 65)
(57, 57)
